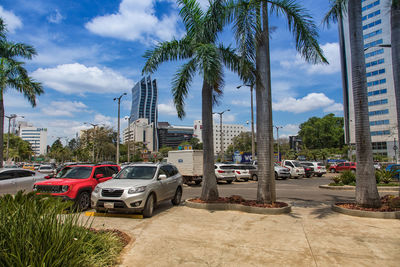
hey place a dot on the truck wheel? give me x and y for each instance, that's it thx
(254, 177)
(177, 197)
(229, 181)
(276, 176)
(83, 201)
(197, 182)
(149, 207)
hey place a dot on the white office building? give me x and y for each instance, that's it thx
(380, 86)
(37, 137)
(229, 131)
(140, 130)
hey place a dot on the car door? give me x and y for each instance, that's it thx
(162, 188)
(340, 167)
(172, 180)
(24, 180)
(7, 183)
(104, 172)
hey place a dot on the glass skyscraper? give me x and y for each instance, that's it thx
(144, 100)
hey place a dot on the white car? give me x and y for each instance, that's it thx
(319, 168)
(296, 170)
(13, 180)
(224, 172)
(47, 169)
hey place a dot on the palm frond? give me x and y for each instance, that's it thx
(180, 85)
(338, 9)
(214, 20)
(210, 64)
(191, 15)
(167, 51)
(2, 29)
(302, 27)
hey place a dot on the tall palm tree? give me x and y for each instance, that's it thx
(205, 57)
(13, 75)
(251, 26)
(366, 191)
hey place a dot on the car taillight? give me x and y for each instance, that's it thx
(238, 172)
(319, 167)
(219, 171)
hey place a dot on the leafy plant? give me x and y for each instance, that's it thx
(336, 179)
(348, 177)
(386, 175)
(378, 177)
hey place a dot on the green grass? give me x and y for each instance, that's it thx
(33, 233)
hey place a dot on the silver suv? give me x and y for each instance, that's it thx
(138, 188)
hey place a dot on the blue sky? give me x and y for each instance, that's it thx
(90, 51)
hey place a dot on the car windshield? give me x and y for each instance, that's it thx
(75, 172)
(45, 168)
(137, 172)
(297, 164)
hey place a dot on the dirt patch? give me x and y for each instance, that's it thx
(387, 205)
(240, 200)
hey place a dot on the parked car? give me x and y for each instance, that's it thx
(10, 166)
(308, 169)
(377, 166)
(138, 188)
(14, 179)
(343, 166)
(76, 182)
(319, 168)
(29, 166)
(242, 171)
(395, 168)
(224, 172)
(296, 169)
(47, 169)
(280, 172)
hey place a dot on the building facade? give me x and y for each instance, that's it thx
(141, 130)
(172, 135)
(37, 137)
(229, 131)
(380, 85)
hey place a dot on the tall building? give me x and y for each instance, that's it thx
(229, 131)
(172, 135)
(141, 131)
(144, 105)
(380, 85)
(37, 137)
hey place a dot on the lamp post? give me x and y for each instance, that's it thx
(253, 147)
(12, 116)
(118, 133)
(220, 131)
(94, 136)
(277, 138)
(129, 136)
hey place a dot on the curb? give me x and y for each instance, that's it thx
(238, 207)
(368, 214)
(351, 187)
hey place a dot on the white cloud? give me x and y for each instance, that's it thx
(337, 107)
(55, 17)
(242, 103)
(10, 19)
(309, 102)
(226, 118)
(79, 79)
(64, 108)
(167, 109)
(135, 21)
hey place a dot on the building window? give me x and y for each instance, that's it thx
(375, 133)
(375, 72)
(377, 92)
(372, 14)
(378, 102)
(370, 5)
(372, 24)
(374, 53)
(372, 34)
(378, 112)
(381, 122)
(374, 63)
(374, 43)
(377, 82)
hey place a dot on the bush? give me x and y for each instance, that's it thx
(336, 179)
(386, 175)
(377, 177)
(36, 231)
(348, 177)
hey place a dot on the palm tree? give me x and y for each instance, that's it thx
(252, 31)
(366, 191)
(14, 75)
(198, 47)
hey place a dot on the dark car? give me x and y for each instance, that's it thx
(395, 168)
(308, 170)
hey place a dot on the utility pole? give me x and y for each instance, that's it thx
(221, 134)
(94, 137)
(277, 138)
(118, 133)
(12, 116)
(253, 146)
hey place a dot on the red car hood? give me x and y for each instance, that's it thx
(64, 181)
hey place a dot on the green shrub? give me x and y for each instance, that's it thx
(386, 175)
(35, 231)
(348, 177)
(378, 177)
(336, 179)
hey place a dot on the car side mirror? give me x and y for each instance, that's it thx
(47, 177)
(100, 175)
(162, 177)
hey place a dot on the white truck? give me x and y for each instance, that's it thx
(189, 164)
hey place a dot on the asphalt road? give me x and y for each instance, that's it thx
(299, 192)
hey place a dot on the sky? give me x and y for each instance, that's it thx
(91, 51)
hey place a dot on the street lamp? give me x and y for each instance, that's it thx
(220, 127)
(253, 147)
(119, 104)
(94, 134)
(12, 116)
(277, 138)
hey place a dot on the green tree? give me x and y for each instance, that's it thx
(326, 132)
(13, 75)
(204, 56)
(251, 26)
(195, 142)
(366, 191)
(164, 150)
(242, 143)
(19, 149)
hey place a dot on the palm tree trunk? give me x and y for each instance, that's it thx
(1, 128)
(209, 189)
(266, 180)
(395, 42)
(366, 190)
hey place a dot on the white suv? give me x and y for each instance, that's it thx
(138, 188)
(319, 168)
(224, 172)
(296, 170)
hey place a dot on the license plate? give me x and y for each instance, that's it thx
(108, 205)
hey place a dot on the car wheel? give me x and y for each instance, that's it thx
(254, 177)
(83, 201)
(276, 176)
(197, 182)
(308, 175)
(333, 171)
(353, 171)
(177, 197)
(229, 181)
(319, 175)
(149, 207)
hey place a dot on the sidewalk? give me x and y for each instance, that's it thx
(313, 236)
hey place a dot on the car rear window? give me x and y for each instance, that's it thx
(137, 172)
(75, 172)
(45, 168)
(227, 167)
(296, 164)
(320, 164)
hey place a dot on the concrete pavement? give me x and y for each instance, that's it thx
(308, 236)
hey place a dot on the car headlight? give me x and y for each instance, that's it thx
(64, 188)
(96, 189)
(134, 190)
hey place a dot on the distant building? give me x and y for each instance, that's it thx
(144, 105)
(229, 131)
(141, 131)
(37, 137)
(172, 135)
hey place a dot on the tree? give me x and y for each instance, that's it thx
(198, 47)
(19, 149)
(326, 132)
(242, 143)
(252, 34)
(14, 75)
(195, 142)
(366, 191)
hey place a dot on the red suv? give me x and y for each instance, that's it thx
(76, 182)
(343, 166)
